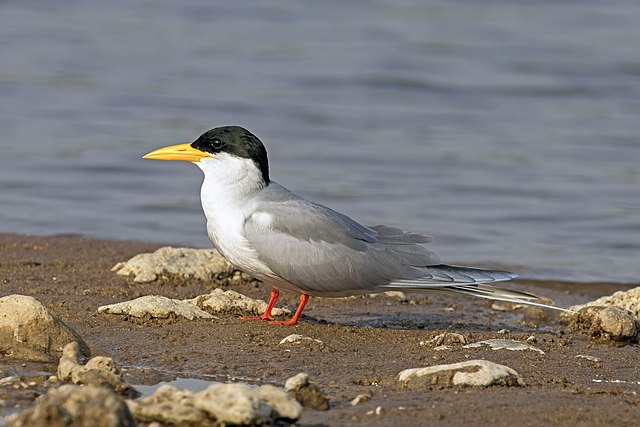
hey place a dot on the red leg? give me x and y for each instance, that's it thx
(267, 313)
(294, 320)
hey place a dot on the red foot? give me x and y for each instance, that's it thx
(264, 319)
(266, 316)
(294, 320)
(289, 322)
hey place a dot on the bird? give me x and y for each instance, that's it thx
(295, 245)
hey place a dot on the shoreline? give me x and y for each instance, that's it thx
(367, 342)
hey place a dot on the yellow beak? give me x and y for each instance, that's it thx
(178, 152)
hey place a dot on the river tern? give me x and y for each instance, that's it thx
(295, 245)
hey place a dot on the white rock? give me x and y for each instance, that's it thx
(483, 374)
(156, 306)
(446, 339)
(500, 344)
(610, 323)
(363, 397)
(298, 339)
(281, 402)
(626, 300)
(72, 405)
(185, 263)
(219, 404)
(168, 405)
(587, 357)
(221, 301)
(100, 371)
(296, 382)
(232, 404)
(29, 332)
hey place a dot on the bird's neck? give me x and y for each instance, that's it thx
(230, 183)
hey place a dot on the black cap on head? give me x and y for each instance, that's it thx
(236, 141)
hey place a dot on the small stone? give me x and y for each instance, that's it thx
(363, 397)
(590, 358)
(503, 332)
(532, 339)
(219, 404)
(479, 373)
(296, 382)
(501, 306)
(447, 339)
(72, 405)
(298, 339)
(156, 306)
(221, 301)
(99, 371)
(499, 344)
(29, 332)
(608, 323)
(204, 265)
(308, 394)
(626, 300)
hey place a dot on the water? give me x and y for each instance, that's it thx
(508, 130)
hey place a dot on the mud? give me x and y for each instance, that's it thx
(367, 342)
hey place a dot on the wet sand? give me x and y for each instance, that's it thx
(367, 342)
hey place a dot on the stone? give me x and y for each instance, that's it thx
(29, 332)
(308, 394)
(221, 301)
(475, 373)
(445, 339)
(99, 371)
(296, 382)
(219, 404)
(75, 406)
(156, 306)
(607, 323)
(627, 300)
(499, 344)
(362, 397)
(589, 358)
(299, 339)
(169, 405)
(204, 265)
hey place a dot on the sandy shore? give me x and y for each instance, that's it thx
(367, 342)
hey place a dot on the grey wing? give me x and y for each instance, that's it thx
(323, 252)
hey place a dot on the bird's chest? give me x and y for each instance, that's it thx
(225, 228)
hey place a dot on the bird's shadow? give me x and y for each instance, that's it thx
(431, 322)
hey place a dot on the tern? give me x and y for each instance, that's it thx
(295, 245)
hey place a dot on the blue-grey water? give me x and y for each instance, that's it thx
(509, 130)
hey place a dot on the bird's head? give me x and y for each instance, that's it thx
(219, 143)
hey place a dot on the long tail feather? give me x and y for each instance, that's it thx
(468, 281)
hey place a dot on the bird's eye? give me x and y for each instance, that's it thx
(217, 144)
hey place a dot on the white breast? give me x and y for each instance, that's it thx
(227, 194)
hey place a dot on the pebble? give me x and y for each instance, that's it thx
(298, 339)
(221, 301)
(627, 300)
(607, 323)
(499, 344)
(308, 394)
(485, 374)
(156, 306)
(363, 397)
(203, 265)
(223, 404)
(28, 331)
(77, 406)
(587, 357)
(446, 339)
(99, 371)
